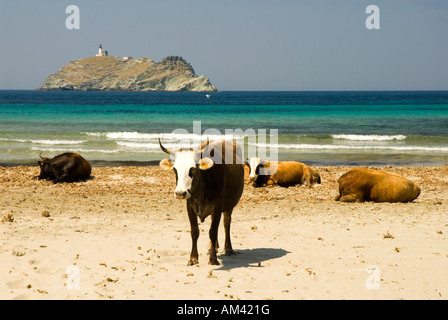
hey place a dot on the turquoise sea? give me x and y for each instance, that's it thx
(318, 128)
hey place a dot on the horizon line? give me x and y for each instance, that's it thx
(219, 91)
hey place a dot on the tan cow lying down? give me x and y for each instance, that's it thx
(378, 186)
(284, 173)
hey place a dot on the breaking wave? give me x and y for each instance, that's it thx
(359, 137)
(352, 147)
(46, 142)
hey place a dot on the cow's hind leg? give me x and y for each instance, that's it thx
(216, 217)
(228, 244)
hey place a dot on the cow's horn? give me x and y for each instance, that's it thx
(40, 155)
(163, 148)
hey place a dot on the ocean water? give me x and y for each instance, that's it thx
(318, 128)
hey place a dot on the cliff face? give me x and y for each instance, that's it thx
(115, 74)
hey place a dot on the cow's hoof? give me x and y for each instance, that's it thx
(213, 262)
(193, 262)
(230, 252)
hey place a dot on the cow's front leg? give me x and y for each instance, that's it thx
(194, 256)
(62, 179)
(66, 175)
(216, 217)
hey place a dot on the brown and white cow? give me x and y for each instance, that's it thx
(359, 185)
(284, 173)
(211, 179)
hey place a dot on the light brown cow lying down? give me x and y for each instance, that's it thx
(378, 186)
(284, 173)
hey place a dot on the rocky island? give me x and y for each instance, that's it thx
(108, 73)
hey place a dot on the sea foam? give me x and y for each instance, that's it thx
(46, 141)
(360, 137)
(324, 147)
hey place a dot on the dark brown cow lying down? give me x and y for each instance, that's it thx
(284, 173)
(359, 185)
(67, 167)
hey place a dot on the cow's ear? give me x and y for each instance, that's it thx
(265, 163)
(41, 163)
(246, 164)
(166, 164)
(206, 163)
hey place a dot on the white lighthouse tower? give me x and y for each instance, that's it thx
(101, 52)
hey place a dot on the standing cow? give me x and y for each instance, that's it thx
(67, 167)
(211, 179)
(284, 173)
(359, 185)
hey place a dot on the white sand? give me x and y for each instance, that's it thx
(129, 239)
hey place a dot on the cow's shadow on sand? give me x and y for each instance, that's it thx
(250, 258)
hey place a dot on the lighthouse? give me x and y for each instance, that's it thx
(101, 52)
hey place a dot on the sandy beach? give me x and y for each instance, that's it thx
(126, 237)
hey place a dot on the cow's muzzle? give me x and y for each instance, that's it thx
(182, 195)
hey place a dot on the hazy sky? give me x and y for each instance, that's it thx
(238, 44)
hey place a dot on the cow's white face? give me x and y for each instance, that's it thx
(254, 164)
(184, 167)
